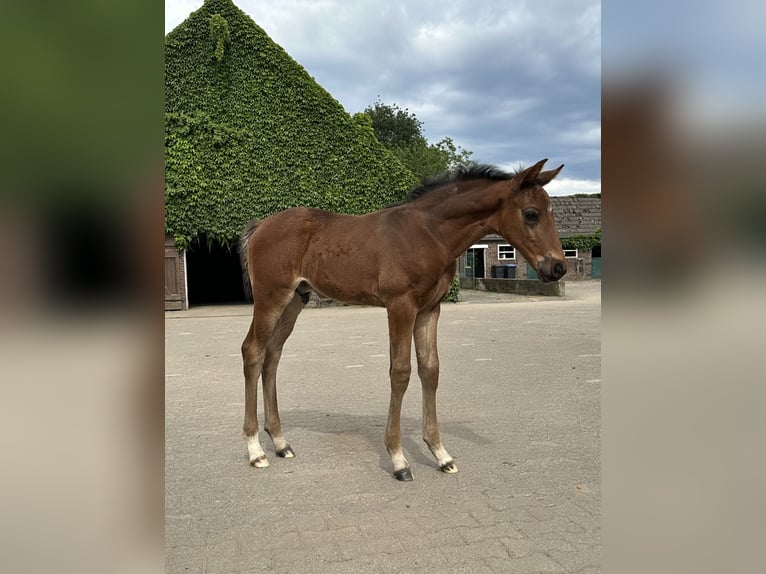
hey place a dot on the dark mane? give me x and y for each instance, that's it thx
(461, 173)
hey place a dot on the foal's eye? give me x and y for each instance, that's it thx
(531, 216)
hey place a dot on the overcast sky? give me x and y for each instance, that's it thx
(512, 81)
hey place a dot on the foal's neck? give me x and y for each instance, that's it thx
(462, 216)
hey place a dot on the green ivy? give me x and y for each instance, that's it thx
(582, 242)
(219, 31)
(248, 132)
(453, 294)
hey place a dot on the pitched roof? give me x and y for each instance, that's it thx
(577, 215)
(574, 215)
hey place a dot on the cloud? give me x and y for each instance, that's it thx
(511, 82)
(566, 186)
(176, 11)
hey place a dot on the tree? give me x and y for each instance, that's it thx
(394, 126)
(402, 132)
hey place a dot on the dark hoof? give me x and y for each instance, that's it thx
(286, 452)
(404, 474)
(449, 467)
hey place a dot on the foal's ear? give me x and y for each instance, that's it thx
(535, 176)
(546, 176)
(529, 176)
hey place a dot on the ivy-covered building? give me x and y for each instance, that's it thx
(248, 132)
(578, 219)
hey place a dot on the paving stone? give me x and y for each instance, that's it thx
(476, 551)
(533, 564)
(524, 432)
(489, 532)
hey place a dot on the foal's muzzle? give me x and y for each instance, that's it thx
(551, 269)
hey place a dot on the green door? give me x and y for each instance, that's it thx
(470, 256)
(596, 273)
(474, 263)
(596, 258)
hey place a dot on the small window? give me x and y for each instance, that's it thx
(506, 252)
(570, 252)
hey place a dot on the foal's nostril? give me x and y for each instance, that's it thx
(559, 270)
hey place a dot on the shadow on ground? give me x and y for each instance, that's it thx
(372, 429)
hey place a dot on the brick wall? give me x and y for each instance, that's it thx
(577, 268)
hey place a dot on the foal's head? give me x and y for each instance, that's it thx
(526, 221)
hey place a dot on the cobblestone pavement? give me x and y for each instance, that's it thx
(518, 409)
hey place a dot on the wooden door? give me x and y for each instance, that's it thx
(173, 277)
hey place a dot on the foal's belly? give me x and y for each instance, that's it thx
(343, 294)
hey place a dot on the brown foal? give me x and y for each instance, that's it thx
(402, 258)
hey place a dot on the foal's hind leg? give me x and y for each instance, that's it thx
(428, 370)
(253, 354)
(282, 331)
(254, 349)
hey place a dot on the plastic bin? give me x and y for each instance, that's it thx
(507, 271)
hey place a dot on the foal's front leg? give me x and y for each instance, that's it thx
(428, 371)
(400, 325)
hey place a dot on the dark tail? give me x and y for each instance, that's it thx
(243, 241)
